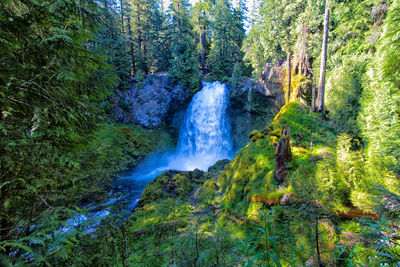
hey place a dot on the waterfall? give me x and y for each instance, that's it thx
(203, 140)
(205, 134)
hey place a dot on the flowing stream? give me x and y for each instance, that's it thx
(203, 140)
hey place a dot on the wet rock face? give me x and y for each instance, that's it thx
(249, 110)
(150, 102)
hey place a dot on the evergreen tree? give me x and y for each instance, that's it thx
(184, 63)
(145, 22)
(227, 38)
(111, 42)
(202, 21)
(51, 86)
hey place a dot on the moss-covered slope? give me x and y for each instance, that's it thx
(250, 177)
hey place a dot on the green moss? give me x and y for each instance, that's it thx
(247, 182)
(207, 191)
(250, 176)
(245, 173)
(219, 166)
(154, 190)
(184, 184)
(302, 124)
(171, 184)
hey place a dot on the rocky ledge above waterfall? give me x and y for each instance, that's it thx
(149, 102)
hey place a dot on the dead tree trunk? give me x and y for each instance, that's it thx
(321, 87)
(283, 155)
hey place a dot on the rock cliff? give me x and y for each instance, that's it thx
(149, 102)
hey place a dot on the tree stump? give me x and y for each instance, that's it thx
(283, 155)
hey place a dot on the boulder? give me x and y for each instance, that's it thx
(172, 184)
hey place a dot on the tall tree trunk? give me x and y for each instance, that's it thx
(289, 77)
(203, 48)
(202, 55)
(131, 44)
(139, 37)
(321, 86)
(122, 16)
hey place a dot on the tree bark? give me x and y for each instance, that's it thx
(289, 77)
(283, 154)
(131, 44)
(139, 37)
(122, 17)
(321, 87)
(203, 47)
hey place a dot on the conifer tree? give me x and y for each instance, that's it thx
(111, 43)
(51, 87)
(321, 86)
(228, 35)
(201, 21)
(184, 63)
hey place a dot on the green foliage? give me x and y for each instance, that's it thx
(302, 125)
(110, 42)
(52, 85)
(184, 63)
(61, 60)
(250, 175)
(228, 35)
(236, 74)
(171, 184)
(278, 29)
(343, 93)
(207, 191)
(270, 252)
(380, 102)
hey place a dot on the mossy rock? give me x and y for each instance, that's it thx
(246, 174)
(183, 184)
(159, 188)
(256, 135)
(219, 166)
(171, 184)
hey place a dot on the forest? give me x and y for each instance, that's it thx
(200, 133)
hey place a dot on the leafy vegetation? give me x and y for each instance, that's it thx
(308, 189)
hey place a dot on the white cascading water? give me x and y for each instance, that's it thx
(205, 134)
(203, 140)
